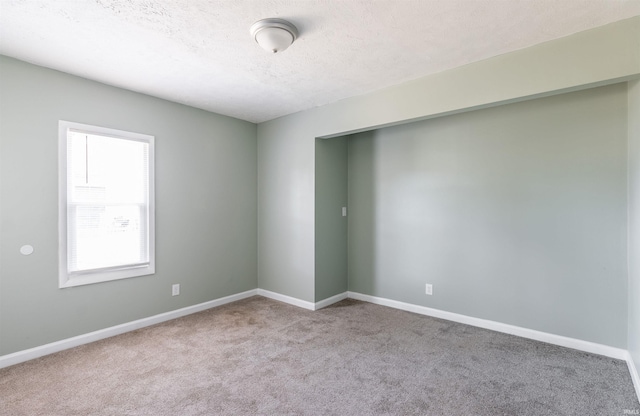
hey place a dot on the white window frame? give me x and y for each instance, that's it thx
(67, 279)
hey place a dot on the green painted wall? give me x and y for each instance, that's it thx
(205, 206)
(515, 214)
(286, 242)
(286, 146)
(634, 223)
(331, 226)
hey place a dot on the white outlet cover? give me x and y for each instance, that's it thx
(429, 289)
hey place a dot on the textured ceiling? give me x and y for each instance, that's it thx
(200, 53)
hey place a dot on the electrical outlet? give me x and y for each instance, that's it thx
(429, 289)
(175, 290)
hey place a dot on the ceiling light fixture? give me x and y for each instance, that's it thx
(274, 35)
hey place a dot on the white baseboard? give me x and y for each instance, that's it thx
(287, 299)
(330, 301)
(30, 354)
(302, 303)
(635, 377)
(560, 340)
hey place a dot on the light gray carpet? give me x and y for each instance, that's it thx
(261, 357)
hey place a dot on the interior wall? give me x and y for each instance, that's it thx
(206, 190)
(331, 225)
(286, 176)
(286, 146)
(634, 223)
(515, 214)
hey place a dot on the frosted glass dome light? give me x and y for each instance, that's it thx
(274, 35)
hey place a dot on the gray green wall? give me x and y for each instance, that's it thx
(205, 206)
(330, 225)
(286, 242)
(286, 146)
(515, 214)
(634, 223)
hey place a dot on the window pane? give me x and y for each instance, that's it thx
(110, 169)
(108, 193)
(107, 236)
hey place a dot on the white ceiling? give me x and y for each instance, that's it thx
(200, 53)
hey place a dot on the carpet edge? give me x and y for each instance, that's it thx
(576, 344)
(635, 377)
(64, 344)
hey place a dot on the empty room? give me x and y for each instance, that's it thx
(320, 207)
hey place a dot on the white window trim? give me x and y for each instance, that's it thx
(67, 279)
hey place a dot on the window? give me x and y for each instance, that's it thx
(106, 204)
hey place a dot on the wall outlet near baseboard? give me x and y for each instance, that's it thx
(429, 289)
(175, 289)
